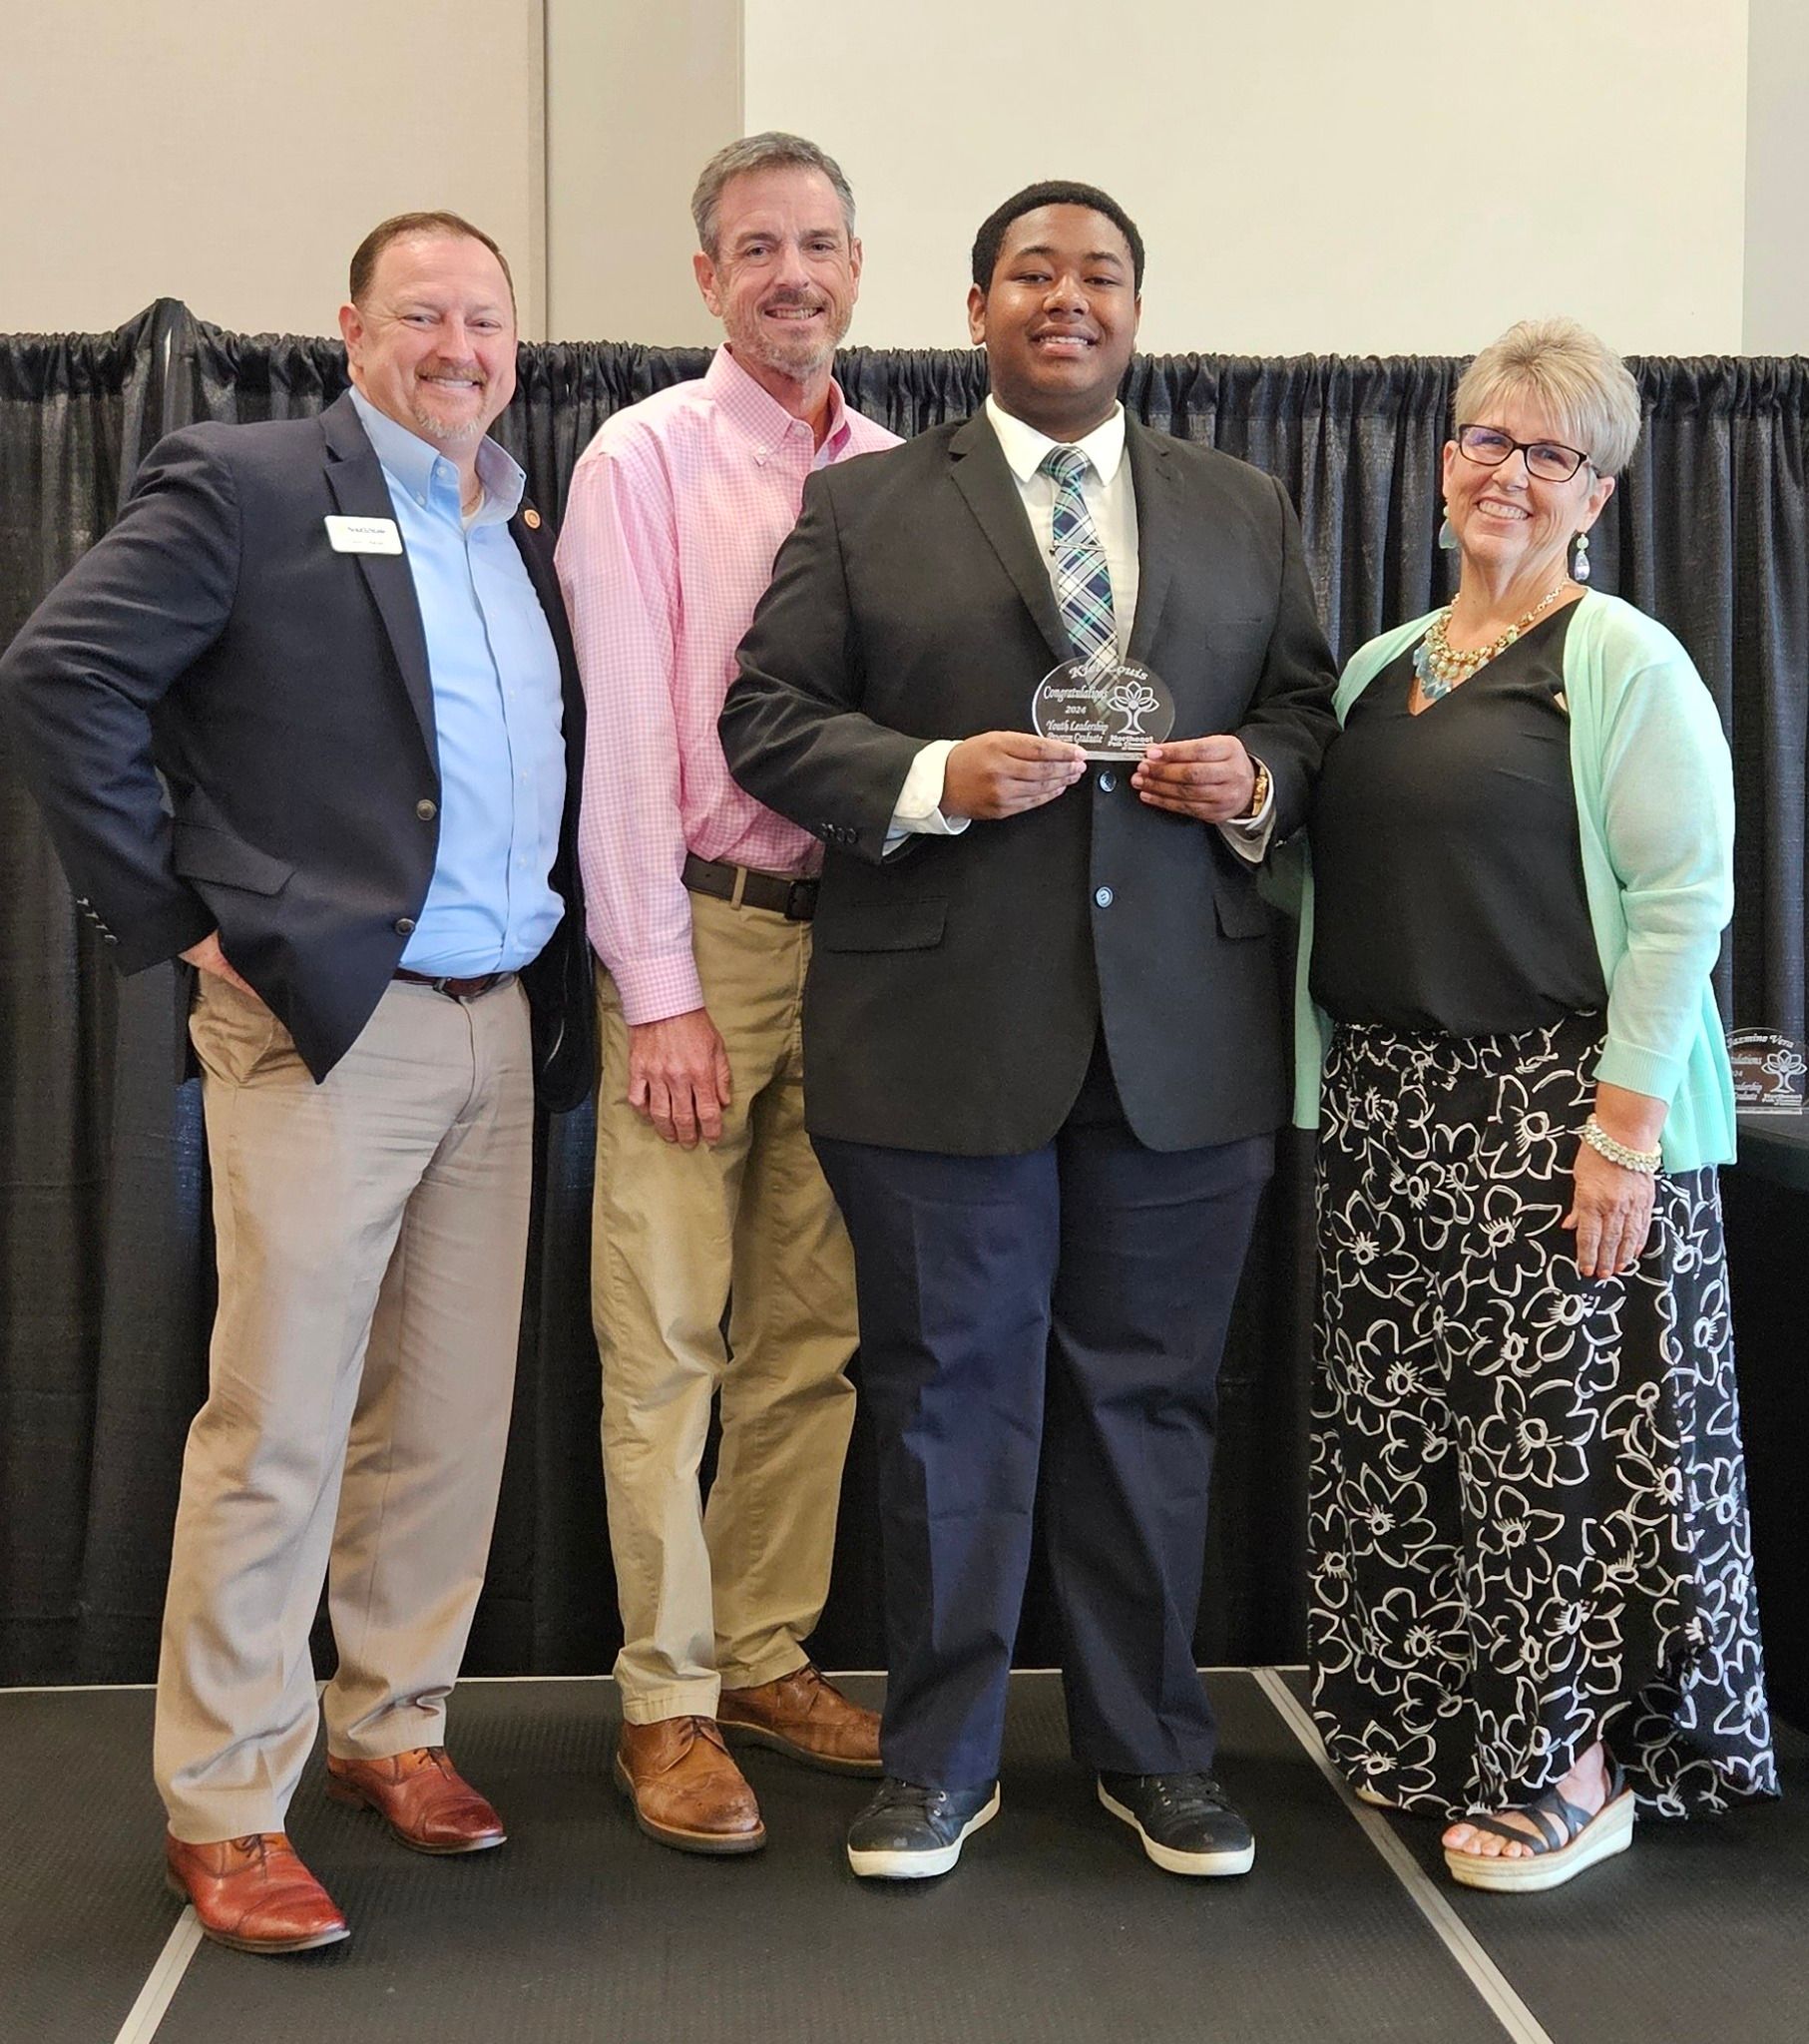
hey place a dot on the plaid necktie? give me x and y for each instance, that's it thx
(1083, 580)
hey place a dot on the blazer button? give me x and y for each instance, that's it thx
(1103, 897)
(1109, 781)
(426, 810)
(404, 926)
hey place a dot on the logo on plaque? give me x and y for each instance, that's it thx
(1110, 709)
(1769, 1072)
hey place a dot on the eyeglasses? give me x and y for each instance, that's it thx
(1546, 459)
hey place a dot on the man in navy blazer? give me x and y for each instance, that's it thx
(1042, 1023)
(308, 719)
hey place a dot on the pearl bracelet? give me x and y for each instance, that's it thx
(1598, 1140)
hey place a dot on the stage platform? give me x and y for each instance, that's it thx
(1052, 1930)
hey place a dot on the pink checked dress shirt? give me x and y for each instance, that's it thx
(676, 510)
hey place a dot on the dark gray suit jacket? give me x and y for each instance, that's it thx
(281, 690)
(956, 989)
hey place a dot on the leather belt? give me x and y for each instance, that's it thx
(456, 990)
(746, 887)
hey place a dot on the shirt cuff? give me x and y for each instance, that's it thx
(655, 989)
(919, 809)
(1249, 836)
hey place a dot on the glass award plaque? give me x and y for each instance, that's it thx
(1110, 709)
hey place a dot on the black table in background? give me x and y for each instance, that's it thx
(1765, 1198)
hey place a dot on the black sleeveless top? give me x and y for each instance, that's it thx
(1447, 866)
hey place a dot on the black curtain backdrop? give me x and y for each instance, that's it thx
(105, 1257)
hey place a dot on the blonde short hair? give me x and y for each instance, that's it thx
(1564, 369)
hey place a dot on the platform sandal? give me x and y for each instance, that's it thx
(1569, 1841)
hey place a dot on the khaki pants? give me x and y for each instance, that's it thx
(725, 1595)
(372, 1232)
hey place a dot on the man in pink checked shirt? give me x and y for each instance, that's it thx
(699, 902)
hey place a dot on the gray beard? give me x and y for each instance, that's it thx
(432, 428)
(764, 350)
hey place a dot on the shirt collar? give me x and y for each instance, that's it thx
(416, 464)
(1024, 447)
(756, 413)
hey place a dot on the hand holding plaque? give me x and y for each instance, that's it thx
(1110, 709)
(1211, 778)
(1000, 773)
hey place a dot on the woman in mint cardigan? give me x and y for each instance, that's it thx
(1532, 1600)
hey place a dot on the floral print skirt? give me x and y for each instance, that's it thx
(1527, 1505)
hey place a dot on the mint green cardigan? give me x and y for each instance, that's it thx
(1654, 805)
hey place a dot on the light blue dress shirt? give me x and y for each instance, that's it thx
(496, 710)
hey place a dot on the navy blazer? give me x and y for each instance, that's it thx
(956, 989)
(230, 726)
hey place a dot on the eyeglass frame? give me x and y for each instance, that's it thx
(1523, 448)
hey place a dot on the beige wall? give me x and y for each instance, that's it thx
(1777, 181)
(1310, 175)
(231, 153)
(638, 97)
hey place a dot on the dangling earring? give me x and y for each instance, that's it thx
(1448, 535)
(1580, 568)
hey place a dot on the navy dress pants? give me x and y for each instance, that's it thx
(1058, 1315)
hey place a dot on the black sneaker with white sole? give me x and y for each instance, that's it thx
(1184, 1822)
(908, 1832)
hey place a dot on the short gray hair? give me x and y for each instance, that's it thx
(774, 150)
(1584, 386)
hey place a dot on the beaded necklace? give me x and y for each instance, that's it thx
(1439, 666)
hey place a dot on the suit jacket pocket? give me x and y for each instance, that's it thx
(1239, 641)
(880, 927)
(202, 852)
(1243, 913)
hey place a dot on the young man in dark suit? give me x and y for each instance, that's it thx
(306, 718)
(1042, 1022)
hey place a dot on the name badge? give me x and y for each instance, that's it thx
(363, 536)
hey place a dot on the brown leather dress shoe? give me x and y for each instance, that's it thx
(805, 1715)
(685, 1788)
(422, 1797)
(254, 1893)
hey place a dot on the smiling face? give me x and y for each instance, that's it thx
(1512, 527)
(785, 275)
(433, 343)
(1058, 319)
